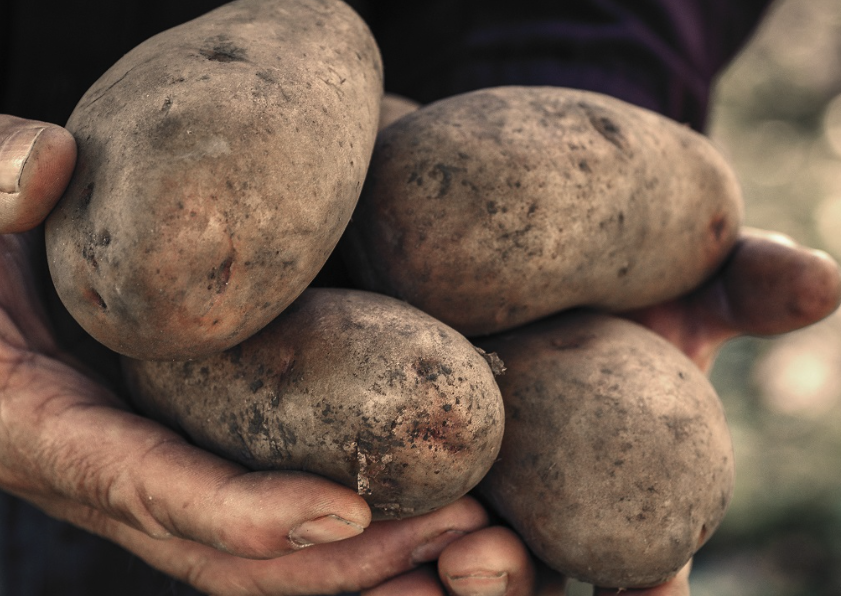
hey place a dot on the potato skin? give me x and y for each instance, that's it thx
(219, 163)
(358, 387)
(497, 207)
(617, 463)
(393, 107)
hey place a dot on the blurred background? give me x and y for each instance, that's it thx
(777, 117)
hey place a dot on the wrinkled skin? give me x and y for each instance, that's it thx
(108, 461)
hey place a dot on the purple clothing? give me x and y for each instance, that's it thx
(660, 54)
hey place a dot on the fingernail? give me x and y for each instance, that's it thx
(432, 549)
(330, 528)
(479, 585)
(14, 151)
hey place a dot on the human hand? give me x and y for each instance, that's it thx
(768, 286)
(72, 447)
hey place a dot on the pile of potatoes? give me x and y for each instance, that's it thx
(222, 162)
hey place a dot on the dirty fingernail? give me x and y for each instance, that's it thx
(479, 585)
(330, 528)
(432, 549)
(14, 151)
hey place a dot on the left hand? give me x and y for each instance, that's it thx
(769, 286)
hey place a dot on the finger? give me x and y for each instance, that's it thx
(490, 562)
(770, 285)
(36, 163)
(679, 586)
(386, 550)
(64, 435)
(423, 581)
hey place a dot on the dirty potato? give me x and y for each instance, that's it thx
(497, 207)
(617, 463)
(219, 163)
(358, 387)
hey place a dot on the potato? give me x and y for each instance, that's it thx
(617, 463)
(358, 387)
(219, 163)
(498, 207)
(394, 107)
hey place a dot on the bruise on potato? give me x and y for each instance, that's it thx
(354, 386)
(617, 463)
(497, 207)
(219, 163)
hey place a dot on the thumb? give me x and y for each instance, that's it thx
(770, 285)
(36, 163)
(773, 285)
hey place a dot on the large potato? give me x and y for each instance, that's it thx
(617, 463)
(497, 207)
(358, 387)
(219, 163)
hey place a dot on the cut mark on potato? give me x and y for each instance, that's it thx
(220, 276)
(94, 296)
(363, 484)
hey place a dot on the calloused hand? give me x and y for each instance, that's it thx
(70, 445)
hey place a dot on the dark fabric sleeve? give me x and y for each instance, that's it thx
(51, 51)
(660, 54)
